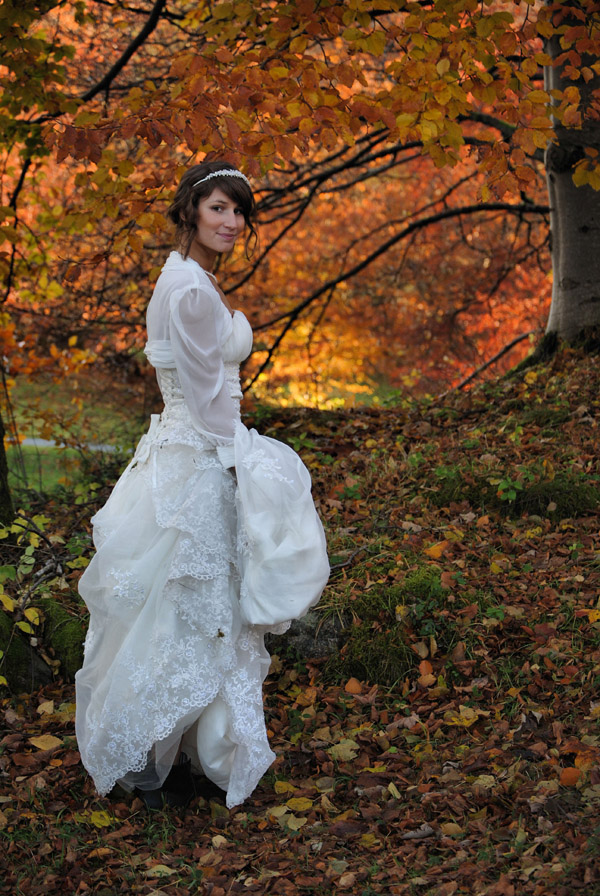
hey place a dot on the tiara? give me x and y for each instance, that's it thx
(224, 172)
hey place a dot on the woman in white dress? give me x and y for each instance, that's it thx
(209, 539)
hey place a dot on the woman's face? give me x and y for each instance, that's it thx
(220, 222)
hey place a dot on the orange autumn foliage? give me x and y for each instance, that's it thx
(389, 144)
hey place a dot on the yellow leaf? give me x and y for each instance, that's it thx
(494, 568)
(369, 840)
(7, 602)
(294, 823)
(46, 707)
(299, 804)
(3, 681)
(436, 550)
(66, 712)
(394, 790)
(437, 29)
(284, 787)
(25, 627)
(33, 615)
(100, 818)
(538, 96)
(277, 812)
(548, 469)
(46, 742)
(465, 717)
(451, 829)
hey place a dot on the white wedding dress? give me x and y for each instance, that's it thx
(191, 566)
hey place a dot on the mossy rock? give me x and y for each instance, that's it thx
(385, 621)
(312, 637)
(381, 657)
(564, 497)
(64, 634)
(23, 669)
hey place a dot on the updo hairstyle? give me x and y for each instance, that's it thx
(183, 211)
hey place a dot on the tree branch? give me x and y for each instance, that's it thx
(105, 82)
(489, 362)
(291, 316)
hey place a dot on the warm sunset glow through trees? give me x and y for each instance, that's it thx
(397, 148)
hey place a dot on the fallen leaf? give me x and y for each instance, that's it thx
(451, 829)
(159, 871)
(219, 840)
(421, 833)
(353, 686)
(345, 751)
(284, 787)
(299, 804)
(100, 818)
(570, 776)
(436, 550)
(46, 742)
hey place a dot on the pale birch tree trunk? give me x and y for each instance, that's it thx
(575, 212)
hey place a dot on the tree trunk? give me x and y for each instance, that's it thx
(575, 211)
(6, 506)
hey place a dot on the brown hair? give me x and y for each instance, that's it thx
(183, 211)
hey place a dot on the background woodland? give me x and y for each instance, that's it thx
(427, 177)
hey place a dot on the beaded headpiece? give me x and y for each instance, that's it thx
(224, 172)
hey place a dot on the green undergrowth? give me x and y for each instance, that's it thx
(384, 621)
(518, 491)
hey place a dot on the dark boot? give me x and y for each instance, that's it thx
(177, 791)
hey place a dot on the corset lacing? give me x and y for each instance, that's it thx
(170, 386)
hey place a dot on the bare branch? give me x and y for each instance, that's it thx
(109, 77)
(291, 316)
(503, 351)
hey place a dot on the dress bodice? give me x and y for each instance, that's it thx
(235, 348)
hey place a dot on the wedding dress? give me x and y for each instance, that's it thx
(193, 564)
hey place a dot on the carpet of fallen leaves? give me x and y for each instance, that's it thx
(476, 773)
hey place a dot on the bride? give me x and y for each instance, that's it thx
(209, 539)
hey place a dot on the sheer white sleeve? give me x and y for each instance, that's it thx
(196, 344)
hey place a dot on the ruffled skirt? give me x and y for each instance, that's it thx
(168, 654)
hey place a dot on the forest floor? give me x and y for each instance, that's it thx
(453, 746)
